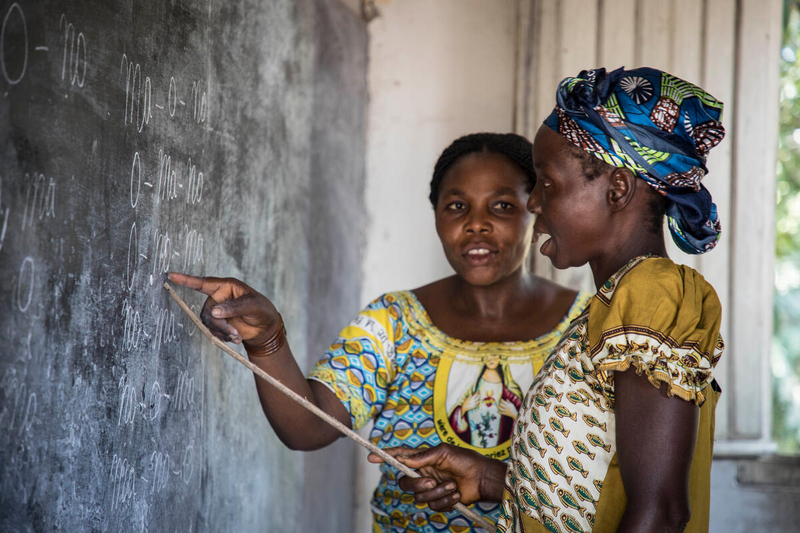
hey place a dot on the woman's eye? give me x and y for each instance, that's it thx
(504, 206)
(455, 206)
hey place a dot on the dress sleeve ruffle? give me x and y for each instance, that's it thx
(663, 319)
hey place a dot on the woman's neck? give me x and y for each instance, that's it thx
(605, 267)
(492, 302)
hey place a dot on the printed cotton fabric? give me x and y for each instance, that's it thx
(422, 387)
(661, 318)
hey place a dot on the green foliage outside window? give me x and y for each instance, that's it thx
(786, 338)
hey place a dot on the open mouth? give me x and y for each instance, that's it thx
(479, 254)
(538, 234)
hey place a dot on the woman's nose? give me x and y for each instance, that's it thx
(477, 223)
(534, 204)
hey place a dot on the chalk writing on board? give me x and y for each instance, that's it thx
(172, 97)
(40, 200)
(136, 179)
(74, 53)
(14, 16)
(165, 327)
(193, 247)
(162, 255)
(154, 405)
(23, 405)
(187, 466)
(200, 107)
(138, 94)
(23, 284)
(132, 264)
(132, 329)
(159, 467)
(123, 482)
(167, 178)
(4, 212)
(194, 188)
(128, 404)
(183, 397)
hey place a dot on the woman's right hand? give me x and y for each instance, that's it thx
(233, 311)
(449, 475)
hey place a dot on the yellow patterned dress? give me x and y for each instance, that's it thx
(661, 318)
(422, 387)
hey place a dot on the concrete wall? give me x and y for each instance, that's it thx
(438, 70)
(748, 495)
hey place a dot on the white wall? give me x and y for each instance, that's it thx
(437, 70)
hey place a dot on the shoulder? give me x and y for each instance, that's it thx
(392, 303)
(395, 311)
(662, 318)
(657, 282)
(661, 300)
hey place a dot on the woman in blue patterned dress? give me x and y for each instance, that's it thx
(408, 360)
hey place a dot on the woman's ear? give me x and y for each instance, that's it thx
(622, 186)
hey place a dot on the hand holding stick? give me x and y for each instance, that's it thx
(479, 520)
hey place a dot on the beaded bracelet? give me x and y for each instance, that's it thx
(274, 343)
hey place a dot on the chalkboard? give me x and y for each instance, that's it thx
(220, 137)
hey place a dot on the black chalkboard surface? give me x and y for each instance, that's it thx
(215, 137)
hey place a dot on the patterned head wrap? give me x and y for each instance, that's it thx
(656, 125)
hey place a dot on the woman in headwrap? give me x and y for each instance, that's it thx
(616, 431)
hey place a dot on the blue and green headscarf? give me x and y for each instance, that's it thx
(656, 125)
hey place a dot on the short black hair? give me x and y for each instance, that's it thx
(515, 147)
(594, 167)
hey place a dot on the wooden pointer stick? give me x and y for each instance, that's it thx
(472, 515)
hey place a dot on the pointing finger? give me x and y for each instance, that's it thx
(205, 285)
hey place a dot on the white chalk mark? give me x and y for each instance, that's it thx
(41, 49)
(3, 40)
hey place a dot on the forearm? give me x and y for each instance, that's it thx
(295, 426)
(493, 479)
